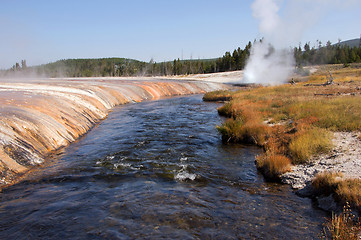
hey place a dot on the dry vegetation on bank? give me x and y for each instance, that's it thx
(294, 122)
(346, 191)
(342, 227)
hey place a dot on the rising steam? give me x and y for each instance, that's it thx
(271, 60)
(269, 63)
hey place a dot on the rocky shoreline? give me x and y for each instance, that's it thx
(344, 158)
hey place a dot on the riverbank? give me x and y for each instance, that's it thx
(345, 158)
(39, 116)
(308, 128)
(155, 170)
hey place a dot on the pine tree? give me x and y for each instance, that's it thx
(23, 64)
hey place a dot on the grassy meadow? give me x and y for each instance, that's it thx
(294, 122)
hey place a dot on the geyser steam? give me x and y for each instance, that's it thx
(271, 60)
(269, 63)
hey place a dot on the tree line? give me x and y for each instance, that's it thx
(116, 67)
(327, 54)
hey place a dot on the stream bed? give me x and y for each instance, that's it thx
(155, 170)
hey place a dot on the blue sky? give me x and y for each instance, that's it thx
(44, 31)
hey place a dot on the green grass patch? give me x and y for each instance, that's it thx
(308, 143)
(220, 95)
(338, 114)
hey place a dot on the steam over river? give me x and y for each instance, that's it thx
(155, 170)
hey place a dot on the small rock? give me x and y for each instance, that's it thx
(327, 203)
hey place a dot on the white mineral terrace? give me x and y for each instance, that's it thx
(40, 116)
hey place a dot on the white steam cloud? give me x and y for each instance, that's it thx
(269, 63)
(267, 12)
(272, 65)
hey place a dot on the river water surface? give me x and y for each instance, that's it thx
(155, 170)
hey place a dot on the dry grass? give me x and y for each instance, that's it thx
(273, 165)
(231, 130)
(309, 142)
(221, 95)
(349, 190)
(238, 130)
(245, 124)
(342, 227)
(340, 113)
(301, 115)
(344, 190)
(326, 183)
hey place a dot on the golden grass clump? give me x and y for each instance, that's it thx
(309, 142)
(325, 183)
(226, 110)
(244, 126)
(272, 166)
(220, 95)
(344, 190)
(349, 190)
(237, 130)
(231, 130)
(256, 133)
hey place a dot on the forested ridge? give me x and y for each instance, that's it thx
(342, 52)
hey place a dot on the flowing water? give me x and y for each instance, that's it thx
(155, 170)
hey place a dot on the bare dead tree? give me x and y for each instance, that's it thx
(329, 78)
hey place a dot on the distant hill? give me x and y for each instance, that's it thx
(350, 43)
(99, 67)
(344, 52)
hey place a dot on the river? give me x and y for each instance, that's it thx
(154, 170)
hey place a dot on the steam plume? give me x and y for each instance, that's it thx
(269, 63)
(272, 65)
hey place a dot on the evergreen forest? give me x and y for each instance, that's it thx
(231, 61)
